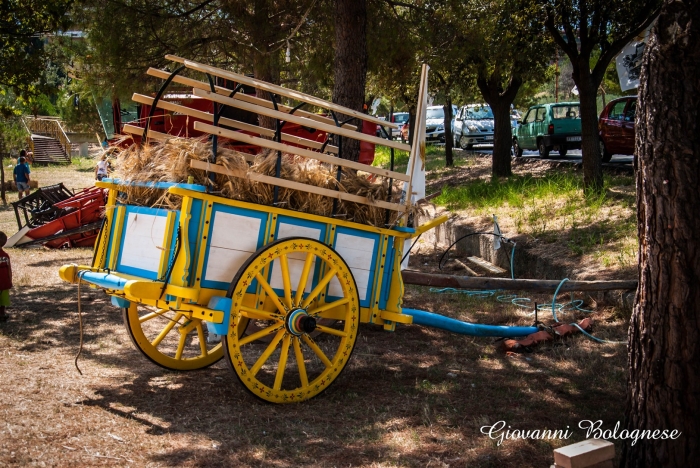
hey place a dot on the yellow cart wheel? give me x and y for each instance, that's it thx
(301, 284)
(169, 339)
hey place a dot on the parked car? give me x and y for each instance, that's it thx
(616, 127)
(473, 125)
(435, 123)
(548, 127)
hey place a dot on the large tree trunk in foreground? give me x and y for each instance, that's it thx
(350, 64)
(664, 338)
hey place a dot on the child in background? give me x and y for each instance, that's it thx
(5, 278)
(21, 176)
(102, 169)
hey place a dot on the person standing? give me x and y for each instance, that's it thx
(102, 168)
(21, 176)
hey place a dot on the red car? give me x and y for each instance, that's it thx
(616, 127)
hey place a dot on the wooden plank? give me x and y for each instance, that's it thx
(300, 120)
(243, 97)
(298, 151)
(465, 282)
(418, 148)
(140, 98)
(584, 454)
(134, 130)
(490, 267)
(293, 185)
(296, 95)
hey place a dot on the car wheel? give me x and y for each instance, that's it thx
(517, 150)
(544, 149)
(464, 143)
(604, 153)
(562, 151)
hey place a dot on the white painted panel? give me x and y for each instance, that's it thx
(143, 241)
(295, 260)
(357, 252)
(234, 239)
(237, 232)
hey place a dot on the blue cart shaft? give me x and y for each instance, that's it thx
(429, 319)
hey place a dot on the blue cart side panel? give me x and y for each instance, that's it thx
(235, 234)
(142, 241)
(286, 227)
(360, 250)
(386, 280)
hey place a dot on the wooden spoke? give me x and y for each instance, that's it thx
(283, 362)
(286, 280)
(202, 339)
(317, 351)
(155, 314)
(300, 363)
(257, 314)
(181, 346)
(271, 293)
(319, 287)
(329, 305)
(256, 336)
(331, 331)
(267, 353)
(166, 330)
(308, 262)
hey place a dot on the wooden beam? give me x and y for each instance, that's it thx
(483, 283)
(254, 176)
(242, 96)
(140, 98)
(300, 120)
(290, 93)
(298, 151)
(134, 130)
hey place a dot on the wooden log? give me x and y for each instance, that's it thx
(243, 97)
(140, 98)
(290, 93)
(298, 151)
(483, 283)
(299, 120)
(293, 185)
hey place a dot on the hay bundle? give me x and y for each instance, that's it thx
(170, 162)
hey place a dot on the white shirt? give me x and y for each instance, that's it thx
(102, 167)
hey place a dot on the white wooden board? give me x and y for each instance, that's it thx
(144, 237)
(295, 260)
(357, 252)
(234, 239)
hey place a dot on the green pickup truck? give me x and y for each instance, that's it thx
(548, 127)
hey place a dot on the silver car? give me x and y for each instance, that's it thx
(473, 126)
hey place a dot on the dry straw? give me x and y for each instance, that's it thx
(169, 161)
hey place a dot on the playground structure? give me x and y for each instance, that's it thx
(279, 294)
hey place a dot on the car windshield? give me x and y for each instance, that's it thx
(400, 118)
(566, 112)
(437, 113)
(479, 113)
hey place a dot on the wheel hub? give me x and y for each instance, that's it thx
(299, 322)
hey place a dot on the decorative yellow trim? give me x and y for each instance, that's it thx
(118, 223)
(394, 317)
(167, 243)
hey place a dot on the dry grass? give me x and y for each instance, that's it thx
(169, 162)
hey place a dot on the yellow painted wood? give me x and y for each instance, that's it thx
(206, 166)
(332, 129)
(119, 214)
(181, 265)
(167, 243)
(394, 317)
(430, 224)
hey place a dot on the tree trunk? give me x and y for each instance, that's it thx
(500, 101)
(449, 160)
(590, 149)
(350, 64)
(664, 334)
(265, 66)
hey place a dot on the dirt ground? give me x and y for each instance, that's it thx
(416, 397)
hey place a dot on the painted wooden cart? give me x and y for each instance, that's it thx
(279, 293)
